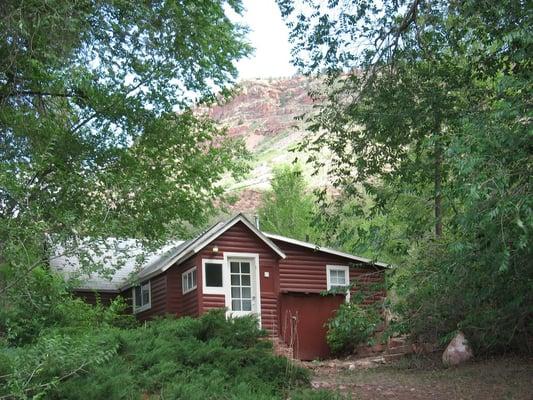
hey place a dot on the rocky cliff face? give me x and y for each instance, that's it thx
(264, 109)
(263, 113)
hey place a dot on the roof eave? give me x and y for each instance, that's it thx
(325, 249)
(197, 246)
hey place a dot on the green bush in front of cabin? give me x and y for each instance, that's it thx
(186, 358)
(351, 325)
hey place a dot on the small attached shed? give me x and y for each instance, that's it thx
(304, 275)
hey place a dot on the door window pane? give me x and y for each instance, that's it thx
(236, 292)
(241, 286)
(247, 305)
(234, 267)
(236, 305)
(245, 268)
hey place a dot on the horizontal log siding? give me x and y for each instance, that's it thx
(270, 313)
(371, 282)
(180, 304)
(304, 270)
(239, 239)
(174, 295)
(90, 296)
(213, 301)
(158, 300)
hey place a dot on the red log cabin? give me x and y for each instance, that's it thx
(234, 265)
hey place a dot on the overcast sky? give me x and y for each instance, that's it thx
(269, 35)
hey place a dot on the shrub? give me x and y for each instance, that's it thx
(351, 326)
(46, 305)
(449, 286)
(210, 357)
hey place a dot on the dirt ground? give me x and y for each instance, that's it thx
(423, 377)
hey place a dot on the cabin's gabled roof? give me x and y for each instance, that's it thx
(126, 261)
(193, 246)
(119, 258)
(324, 249)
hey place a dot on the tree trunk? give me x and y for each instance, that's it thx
(437, 188)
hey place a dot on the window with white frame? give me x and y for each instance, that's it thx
(338, 276)
(142, 297)
(213, 282)
(188, 280)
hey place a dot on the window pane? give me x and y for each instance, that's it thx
(213, 275)
(235, 292)
(236, 305)
(184, 282)
(246, 293)
(235, 281)
(246, 305)
(337, 277)
(146, 295)
(193, 279)
(245, 280)
(189, 280)
(234, 267)
(138, 296)
(245, 268)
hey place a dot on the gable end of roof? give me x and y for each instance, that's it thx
(316, 247)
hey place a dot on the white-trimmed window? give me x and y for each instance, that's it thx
(188, 280)
(213, 278)
(142, 297)
(338, 276)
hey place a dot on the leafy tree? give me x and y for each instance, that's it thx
(288, 209)
(394, 115)
(384, 234)
(97, 133)
(432, 100)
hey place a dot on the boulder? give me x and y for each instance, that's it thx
(458, 351)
